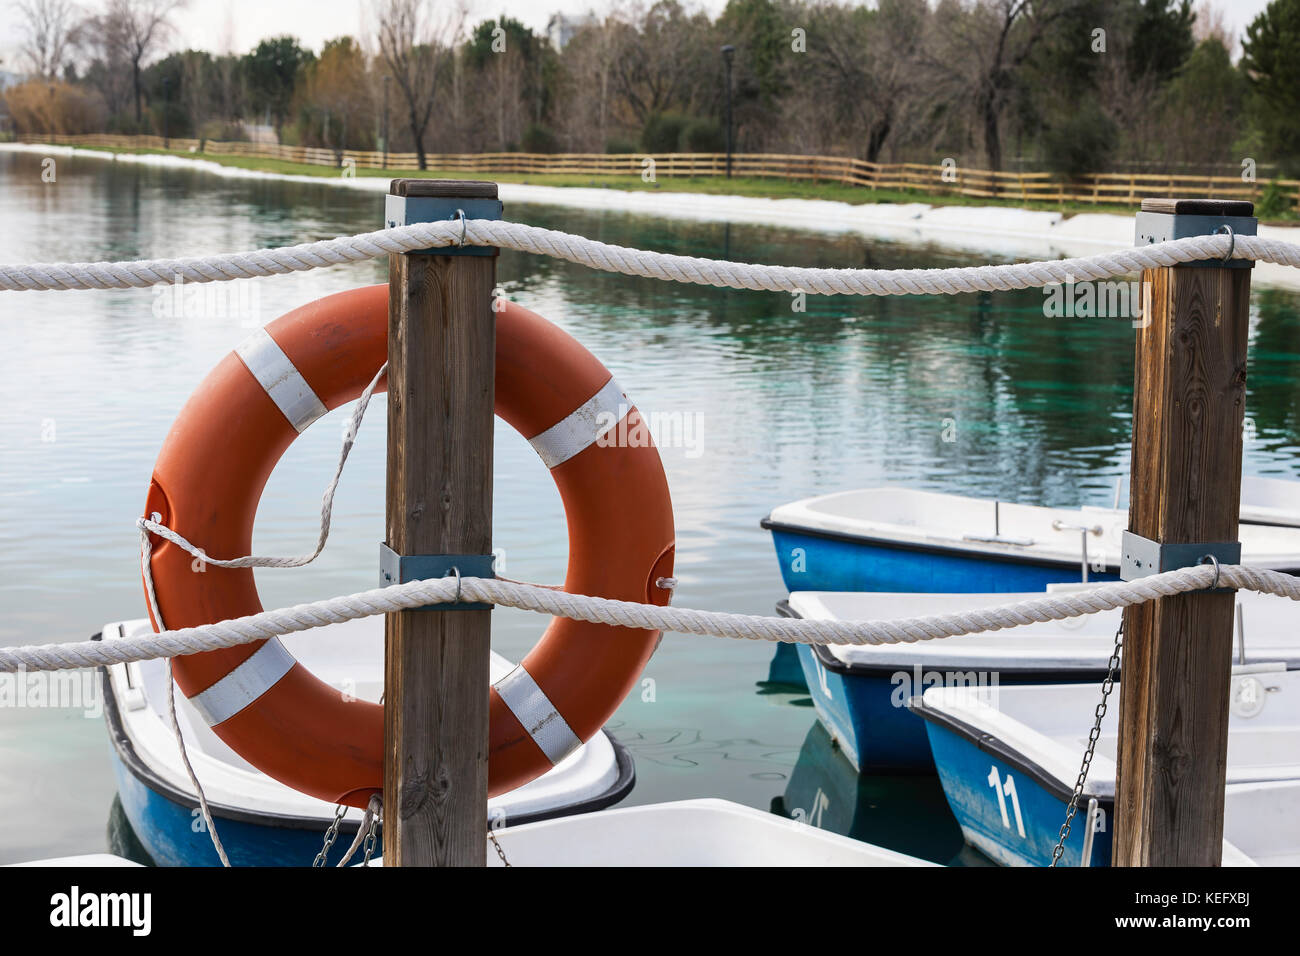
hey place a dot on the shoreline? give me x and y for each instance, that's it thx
(997, 231)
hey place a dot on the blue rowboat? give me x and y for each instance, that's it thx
(861, 692)
(901, 539)
(1008, 758)
(262, 822)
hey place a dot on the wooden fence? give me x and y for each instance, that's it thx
(952, 180)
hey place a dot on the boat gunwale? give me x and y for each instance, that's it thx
(827, 658)
(996, 747)
(124, 747)
(973, 554)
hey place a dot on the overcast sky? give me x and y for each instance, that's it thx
(239, 24)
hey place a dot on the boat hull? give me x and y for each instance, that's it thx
(865, 709)
(1022, 828)
(170, 828)
(813, 560)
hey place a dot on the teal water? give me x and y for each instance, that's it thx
(849, 393)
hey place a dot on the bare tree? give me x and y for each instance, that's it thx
(1212, 24)
(47, 34)
(100, 40)
(586, 80)
(225, 72)
(980, 50)
(140, 26)
(417, 45)
(661, 60)
(864, 69)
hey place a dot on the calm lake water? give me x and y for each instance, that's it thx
(849, 393)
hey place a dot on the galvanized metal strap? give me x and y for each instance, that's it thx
(1141, 557)
(397, 568)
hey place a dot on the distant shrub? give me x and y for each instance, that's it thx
(38, 106)
(1081, 143)
(538, 139)
(618, 145)
(663, 132)
(1274, 202)
(702, 136)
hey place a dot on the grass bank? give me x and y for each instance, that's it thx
(761, 187)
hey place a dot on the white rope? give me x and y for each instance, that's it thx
(154, 523)
(204, 809)
(599, 255)
(550, 601)
(373, 807)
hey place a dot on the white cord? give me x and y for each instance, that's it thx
(154, 525)
(145, 550)
(373, 806)
(598, 610)
(599, 255)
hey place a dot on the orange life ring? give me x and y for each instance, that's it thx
(221, 450)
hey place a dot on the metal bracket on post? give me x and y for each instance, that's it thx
(1142, 557)
(1162, 220)
(408, 210)
(397, 568)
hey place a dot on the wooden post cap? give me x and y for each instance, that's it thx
(1199, 207)
(458, 188)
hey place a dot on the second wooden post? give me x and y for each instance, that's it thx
(441, 369)
(1188, 404)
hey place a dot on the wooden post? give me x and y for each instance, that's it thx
(441, 357)
(1188, 403)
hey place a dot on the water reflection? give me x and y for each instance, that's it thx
(907, 814)
(846, 393)
(122, 839)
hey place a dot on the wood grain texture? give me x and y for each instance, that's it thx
(448, 188)
(1188, 405)
(1199, 207)
(441, 352)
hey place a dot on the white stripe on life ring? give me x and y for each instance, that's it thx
(247, 682)
(583, 426)
(532, 708)
(281, 380)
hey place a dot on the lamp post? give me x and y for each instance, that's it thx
(728, 54)
(387, 79)
(166, 85)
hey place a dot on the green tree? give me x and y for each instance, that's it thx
(762, 38)
(273, 71)
(1162, 38)
(164, 87)
(514, 35)
(336, 106)
(1271, 63)
(1201, 107)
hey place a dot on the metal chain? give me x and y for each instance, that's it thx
(500, 852)
(1106, 686)
(368, 848)
(331, 835)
